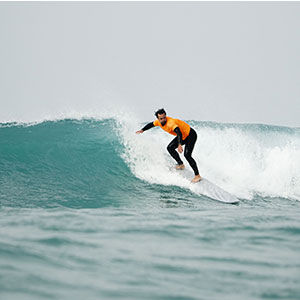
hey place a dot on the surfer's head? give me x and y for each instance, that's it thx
(161, 116)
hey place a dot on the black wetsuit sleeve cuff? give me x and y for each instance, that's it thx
(148, 126)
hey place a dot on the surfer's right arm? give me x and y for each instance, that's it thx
(148, 126)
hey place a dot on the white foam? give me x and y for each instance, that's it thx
(242, 162)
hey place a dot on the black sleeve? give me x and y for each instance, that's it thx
(179, 135)
(148, 126)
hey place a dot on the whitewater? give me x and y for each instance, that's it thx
(89, 209)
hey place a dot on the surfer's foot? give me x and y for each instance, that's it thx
(196, 178)
(180, 167)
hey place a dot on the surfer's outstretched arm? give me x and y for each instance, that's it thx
(148, 126)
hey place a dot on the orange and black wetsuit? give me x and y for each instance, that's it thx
(185, 135)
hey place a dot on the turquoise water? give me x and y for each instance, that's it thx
(91, 210)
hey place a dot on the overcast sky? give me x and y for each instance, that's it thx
(220, 61)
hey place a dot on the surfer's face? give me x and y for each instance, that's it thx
(162, 119)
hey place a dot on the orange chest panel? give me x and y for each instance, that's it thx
(172, 124)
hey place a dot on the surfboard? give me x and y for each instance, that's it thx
(209, 189)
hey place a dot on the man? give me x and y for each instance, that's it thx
(185, 135)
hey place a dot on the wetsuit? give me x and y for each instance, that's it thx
(185, 135)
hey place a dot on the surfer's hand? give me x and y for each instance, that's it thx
(139, 131)
(180, 150)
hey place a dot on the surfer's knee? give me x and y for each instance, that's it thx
(170, 148)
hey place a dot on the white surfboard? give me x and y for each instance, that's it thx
(209, 189)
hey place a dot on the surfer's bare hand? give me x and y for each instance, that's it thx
(139, 131)
(180, 150)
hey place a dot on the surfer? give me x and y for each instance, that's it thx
(185, 135)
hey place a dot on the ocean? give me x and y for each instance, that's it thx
(90, 210)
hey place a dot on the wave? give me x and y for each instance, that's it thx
(95, 162)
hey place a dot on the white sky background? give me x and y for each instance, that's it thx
(218, 61)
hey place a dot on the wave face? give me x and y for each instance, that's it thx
(67, 162)
(88, 163)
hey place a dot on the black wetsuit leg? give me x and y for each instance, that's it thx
(189, 143)
(171, 148)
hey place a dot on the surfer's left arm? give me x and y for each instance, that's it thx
(179, 137)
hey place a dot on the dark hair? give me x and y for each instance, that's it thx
(160, 111)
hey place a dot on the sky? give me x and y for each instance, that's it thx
(235, 62)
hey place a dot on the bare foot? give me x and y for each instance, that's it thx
(180, 167)
(197, 178)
